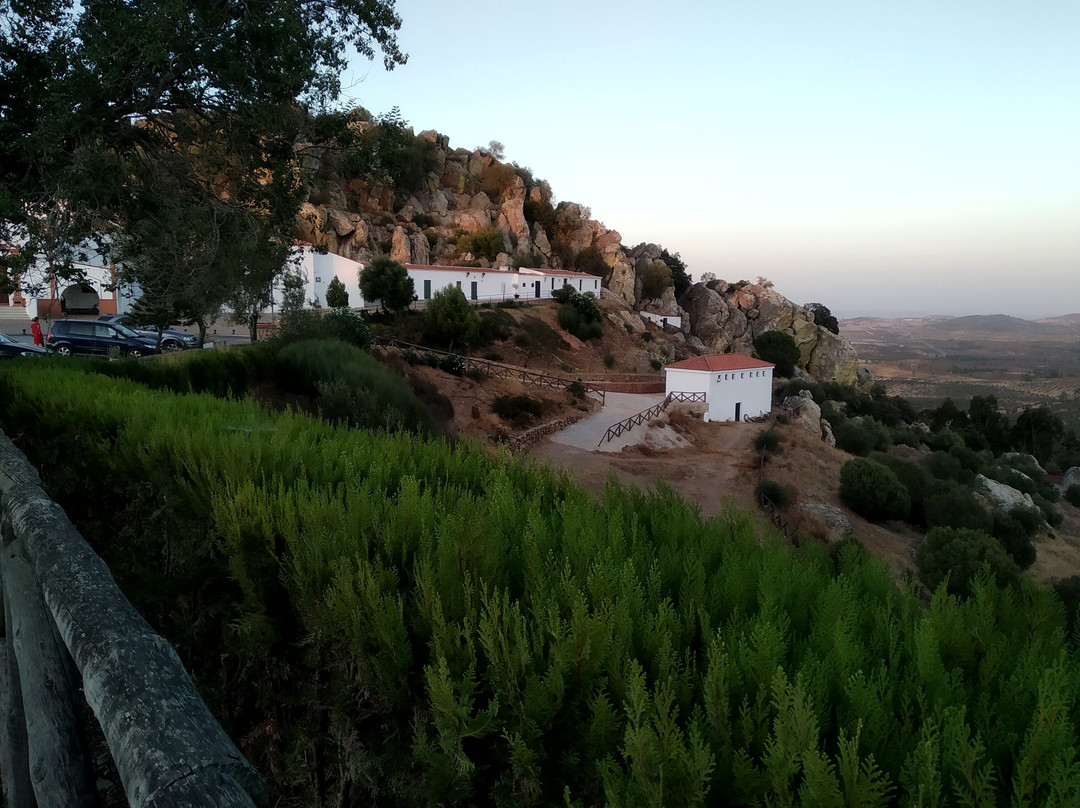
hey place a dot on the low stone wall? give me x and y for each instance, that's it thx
(528, 438)
(632, 387)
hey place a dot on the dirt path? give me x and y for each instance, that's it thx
(716, 462)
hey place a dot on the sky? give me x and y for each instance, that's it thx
(882, 158)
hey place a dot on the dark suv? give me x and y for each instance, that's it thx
(68, 337)
(171, 339)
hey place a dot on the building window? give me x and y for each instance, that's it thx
(459, 284)
(318, 280)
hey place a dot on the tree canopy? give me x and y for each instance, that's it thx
(120, 121)
(388, 282)
(779, 348)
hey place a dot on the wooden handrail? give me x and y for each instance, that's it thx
(626, 424)
(501, 370)
(66, 624)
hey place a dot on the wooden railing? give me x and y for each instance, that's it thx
(67, 628)
(626, 424)
(503, 371)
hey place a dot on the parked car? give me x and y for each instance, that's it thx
(94, 338)
(9, 348)
(171, 339)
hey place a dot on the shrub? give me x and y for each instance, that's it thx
(943, 466)
(609, 360)
(779, 348)
(388, 282)
(357, 389)
(873, 491)
(450, 319)
(956, 506)
(957, 555)
(1072, 495)
(655, 363)
(773, 491)
(1014, 530)
(655, 278)
(1052, 515)
(915, 479)
(767, 441)
(486, 242)
(861, 436)
(520, 409)
(348, 326)
(336, 294)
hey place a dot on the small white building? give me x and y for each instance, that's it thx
(736, 386)
(662, 320)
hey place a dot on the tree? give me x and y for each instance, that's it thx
(200, 103)
(336, 295)
(450, 319)
(958, 554)
(873, 491)
(679, 278)
(823, 317)
(388, 282)
(654, 279)
(779, 348)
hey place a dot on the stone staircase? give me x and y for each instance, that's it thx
(13, 320)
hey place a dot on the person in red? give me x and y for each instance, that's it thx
(35, 329)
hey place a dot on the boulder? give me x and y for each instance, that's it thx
(1000, 497)
(804, 412)
(827, 433)
(1070, 477)
(401, 246)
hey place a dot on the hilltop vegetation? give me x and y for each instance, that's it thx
(381, 616)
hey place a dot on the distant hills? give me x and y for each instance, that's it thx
(1003, 324)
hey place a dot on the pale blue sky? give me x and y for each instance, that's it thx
(880, 158)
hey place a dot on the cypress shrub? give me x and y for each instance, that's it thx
(955, 556)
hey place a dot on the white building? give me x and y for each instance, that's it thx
(476, 283)
(735, 386)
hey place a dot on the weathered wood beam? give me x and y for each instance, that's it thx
(59, 764)
(168, 748)
(14, 751)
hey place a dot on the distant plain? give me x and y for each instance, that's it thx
(1024, 363)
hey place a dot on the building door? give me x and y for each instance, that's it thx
(472, 290)
(427, 290)
(738, 410)
(538, 288)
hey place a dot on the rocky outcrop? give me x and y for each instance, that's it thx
(1000, 497)
(805, 413)
(469, 190)
(1070, 477)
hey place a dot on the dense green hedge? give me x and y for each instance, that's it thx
(388, 620)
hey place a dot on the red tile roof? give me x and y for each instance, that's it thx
(721, 362)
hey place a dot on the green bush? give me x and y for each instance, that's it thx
(520, 410)
(348, 326)
(655, 279)
(944, 466)
(1014, 530)
(768, 440)
(956, 556)
(862, 436)
(352, 387)
(609, 360)
(484, 243)
(916, 481)
(1072, 495)
(873, 491)
(1052, 515)
(449, 319)
(337, 297)
(773, 491)
(779, 348)
(953, 505)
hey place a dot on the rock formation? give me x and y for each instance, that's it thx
(466, 191)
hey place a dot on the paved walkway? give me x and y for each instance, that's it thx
(587, 432)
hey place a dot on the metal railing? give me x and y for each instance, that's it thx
(69, 633)
(626, 424)
(502, 371)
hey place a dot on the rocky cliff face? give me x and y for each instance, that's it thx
(466, 192)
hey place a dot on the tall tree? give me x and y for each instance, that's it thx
(111, 111)
(388, 282)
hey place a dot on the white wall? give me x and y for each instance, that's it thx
(674, 320)
(686, 381)
(750, 389)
